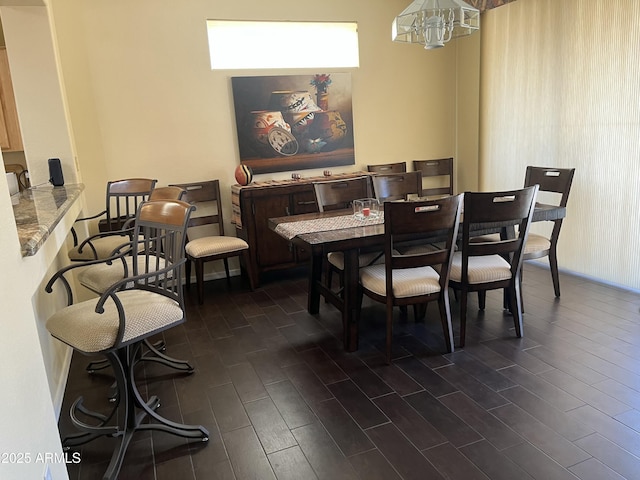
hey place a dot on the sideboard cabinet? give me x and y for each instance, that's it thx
(254, 204)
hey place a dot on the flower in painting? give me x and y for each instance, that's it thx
(321, 81)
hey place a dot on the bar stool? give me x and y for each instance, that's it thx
(116, 325)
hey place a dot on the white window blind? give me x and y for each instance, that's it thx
(256, 44)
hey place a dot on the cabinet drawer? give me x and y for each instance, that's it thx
(303, 202)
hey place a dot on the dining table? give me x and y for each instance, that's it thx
(340, 231)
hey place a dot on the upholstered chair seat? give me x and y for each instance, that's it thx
(489, 268)
(410, 282)
(89, 332)
(103, 247)
(99, 277)
(536, 243)
(364, 259)
(419, 249)
(205, 246)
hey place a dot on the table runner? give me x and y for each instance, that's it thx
(291, 229)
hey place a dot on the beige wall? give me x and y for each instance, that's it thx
(144, 101)
(559, 88)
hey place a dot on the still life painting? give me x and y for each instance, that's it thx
(294, 122)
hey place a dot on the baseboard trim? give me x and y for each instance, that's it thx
(542, 264)
(58, 396)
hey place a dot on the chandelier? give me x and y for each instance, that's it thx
(433, 23)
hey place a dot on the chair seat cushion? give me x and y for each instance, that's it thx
(489, 268)
(104, 248)
(98, 278)
(79, 325)
(408, 282)
(365, 259)
(536, 243)
(214, 245)
(418, 249)
(492, 237)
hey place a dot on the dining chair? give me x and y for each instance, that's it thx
(404, 280)
(431, 169)
(555, 180)
(206, 240)
(122, 199)
(397, 186)
(401, 186)
(482, 266)
(338, 195)
(397, 167)
(116, 325)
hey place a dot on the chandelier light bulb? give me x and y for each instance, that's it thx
(434, 33)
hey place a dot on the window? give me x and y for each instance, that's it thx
(253, 44)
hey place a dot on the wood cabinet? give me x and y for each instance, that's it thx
(10, 136)
(255, 204)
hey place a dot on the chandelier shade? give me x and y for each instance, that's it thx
(433, 23)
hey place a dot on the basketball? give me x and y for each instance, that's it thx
(244, 175)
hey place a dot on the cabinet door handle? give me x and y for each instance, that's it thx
(286, 209)
(308, 202)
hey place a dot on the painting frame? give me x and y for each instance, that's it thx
(294, 122)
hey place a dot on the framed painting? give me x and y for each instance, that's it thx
(294, 122)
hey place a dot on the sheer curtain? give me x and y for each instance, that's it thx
(559, 87)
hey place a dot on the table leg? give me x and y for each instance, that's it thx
(315, 275)
(349, 316)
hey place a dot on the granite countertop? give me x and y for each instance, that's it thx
(38, 210)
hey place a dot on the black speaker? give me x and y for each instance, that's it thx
(55, 172)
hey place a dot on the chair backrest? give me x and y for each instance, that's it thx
(339, 194)
(556, 180)
(157, 267)
(441, 167)
(123, 199)
(397, 186)
(167, 193)
(492, 210)
(426, 218)
(206, 197)
(162, 225)
(398, 167)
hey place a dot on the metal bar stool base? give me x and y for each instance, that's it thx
(134, 410)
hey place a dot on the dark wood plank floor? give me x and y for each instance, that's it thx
(282, 399)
